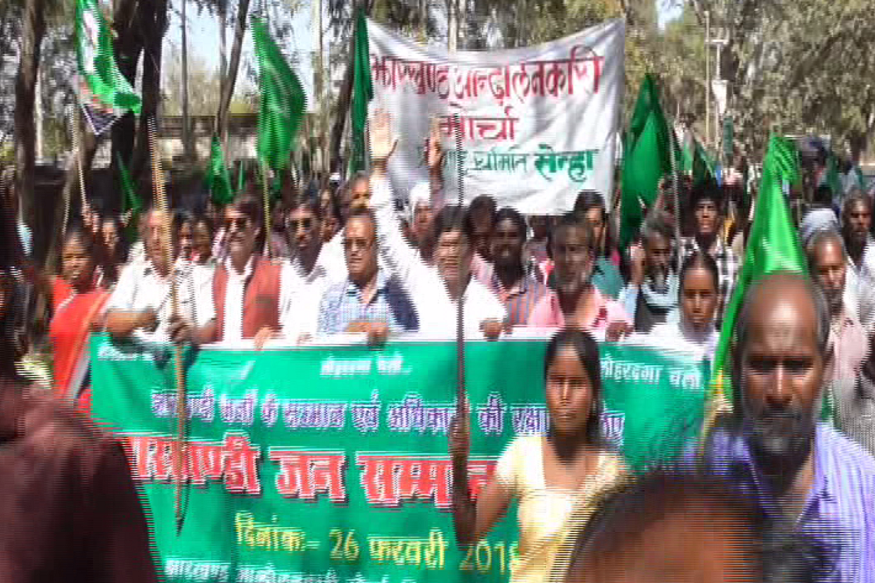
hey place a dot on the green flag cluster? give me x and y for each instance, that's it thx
(218, 179)
(773, 244)
(282, 101)
(647, 158)
(104, 92)
(362, 92)
(695, 162)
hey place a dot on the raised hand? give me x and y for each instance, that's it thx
(434, 153)
(383, 142)
(636, 256)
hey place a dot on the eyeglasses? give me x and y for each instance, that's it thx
(353, 244)
(239, 223)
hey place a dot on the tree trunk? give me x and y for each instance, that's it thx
(128, 19)
(344, 98)
(231, 77)
(154, 27)
(25, 92)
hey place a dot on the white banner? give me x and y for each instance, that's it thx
(537, 125)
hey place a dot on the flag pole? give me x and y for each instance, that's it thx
(461, 398)
(77, 148)
(181, 404)
(266, 193)
(676, 195)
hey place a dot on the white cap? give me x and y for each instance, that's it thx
(420, 194)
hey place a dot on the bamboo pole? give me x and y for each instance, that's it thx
(266, 193)
(180, 452)
(77, 149)
(461, 397)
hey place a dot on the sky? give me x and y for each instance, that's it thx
(203, 34)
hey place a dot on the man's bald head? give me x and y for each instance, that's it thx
(784, 287)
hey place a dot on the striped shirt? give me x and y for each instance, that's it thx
(838, 514)
(342, 305)
(520, 299)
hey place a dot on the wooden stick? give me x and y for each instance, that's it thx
(77, 149)
(677, 198)
(461, 396)
(79, 153)
(181, 404)
(266, 226)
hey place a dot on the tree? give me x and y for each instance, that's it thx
(802, 66)
(230, 76)
(203, 84)
(25, 94)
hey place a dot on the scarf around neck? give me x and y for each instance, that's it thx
(663, 300)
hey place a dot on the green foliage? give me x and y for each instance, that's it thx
(793, 66)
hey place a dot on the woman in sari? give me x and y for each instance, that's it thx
(78, 310)
(553, 478)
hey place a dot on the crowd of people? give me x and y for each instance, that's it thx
(772, 494)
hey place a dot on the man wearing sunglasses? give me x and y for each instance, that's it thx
(248, 289)
(369, 300)
(314, 268)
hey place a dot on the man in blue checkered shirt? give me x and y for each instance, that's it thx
(368, 300)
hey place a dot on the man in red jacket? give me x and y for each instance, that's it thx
(248, 289)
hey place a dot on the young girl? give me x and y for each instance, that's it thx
(551, 477)
(697, 305)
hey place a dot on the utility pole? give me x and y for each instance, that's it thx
(223, 61)
(322, 94)
(453, 25)
(707, 76)
(186, 124)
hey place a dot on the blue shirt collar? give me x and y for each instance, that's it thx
(353, 290)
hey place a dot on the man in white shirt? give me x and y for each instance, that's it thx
(314, 270)
(141, 305)
(436, 290)
(856, 227)
(249, 290)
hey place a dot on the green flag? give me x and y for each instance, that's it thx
(241, 176)
(647, 158)
(688, 149)
(104, 92)
(218, 179)
(362, 92)
(773, 244)
(833, 178)
(703, 166)
(282, 101)
(130, 199)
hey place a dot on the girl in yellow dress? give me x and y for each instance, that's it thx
(553, 478)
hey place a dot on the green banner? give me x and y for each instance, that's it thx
(330, 464)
